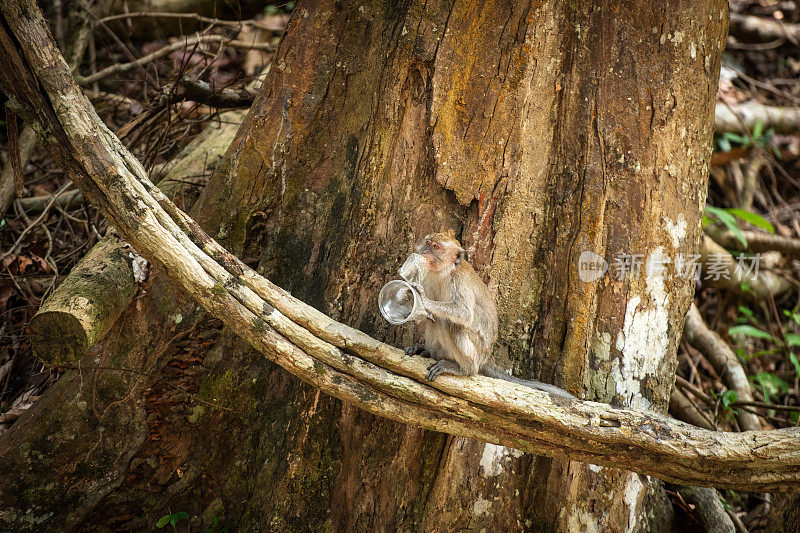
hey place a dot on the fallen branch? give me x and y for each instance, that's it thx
(274, 24)
(98, 289)
(165, 51)
(731, 276)
(202, 92)
(85, 306)
(27, 145)
(36, 204)
(682, 408)
(720, 355)
(757, 242)
(762, 29)
(742, 118)
(340, 360)
(709, 507)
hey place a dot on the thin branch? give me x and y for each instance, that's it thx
(763, 29)
(720, 355)
(165, 51)
(683, 409)
(264, 25)
(741, 118)
(757, 242)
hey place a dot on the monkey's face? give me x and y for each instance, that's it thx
(440, 251)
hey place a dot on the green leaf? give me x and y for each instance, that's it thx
(792, 339)
(706, 220)
(729, 221)
(745, 288)
(163, 521)
(758, 129)
(766, 139)
(752, 218)
(177, 517)
(746, 311)
(735, 137)
(770, 385)
(750, 331)
(795, 363)
(761, 353)
(794, 315)
(741, 355)
(729, 397)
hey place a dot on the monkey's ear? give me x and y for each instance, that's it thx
(460, 254)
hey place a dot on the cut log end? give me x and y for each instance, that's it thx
(58, 337)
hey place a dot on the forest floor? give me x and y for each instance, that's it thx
(754, 185)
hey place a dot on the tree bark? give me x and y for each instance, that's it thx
(784, 515)
(536, 134)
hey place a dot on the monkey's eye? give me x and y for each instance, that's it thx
(436, 246)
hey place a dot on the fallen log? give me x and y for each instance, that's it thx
(95, 293)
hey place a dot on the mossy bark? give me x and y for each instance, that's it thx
(84, 307)
(95, 293)
(537, 133)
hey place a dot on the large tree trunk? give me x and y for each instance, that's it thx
(536, 133)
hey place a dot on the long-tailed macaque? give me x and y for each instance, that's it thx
(462, 324)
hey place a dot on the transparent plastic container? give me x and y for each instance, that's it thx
(399, 302)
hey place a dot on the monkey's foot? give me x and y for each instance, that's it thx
(417, 349)
(444, 366)
(437, 368)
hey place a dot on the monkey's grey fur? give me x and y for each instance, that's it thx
(463, 327)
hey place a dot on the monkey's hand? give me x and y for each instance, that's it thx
(417, 287)
(417, 349)
(421, 290)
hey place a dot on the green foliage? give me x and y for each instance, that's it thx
(172, 519)
(770, 385)
(728, 218)
(747, 330)
(727, 141)
(214, 526)
(794, 315)
(748, 313)
(795, 363)
(792, 339)
(752, 218)
(727, 399)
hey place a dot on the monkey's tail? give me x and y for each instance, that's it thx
(493, 371)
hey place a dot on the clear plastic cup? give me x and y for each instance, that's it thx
(399, 302)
